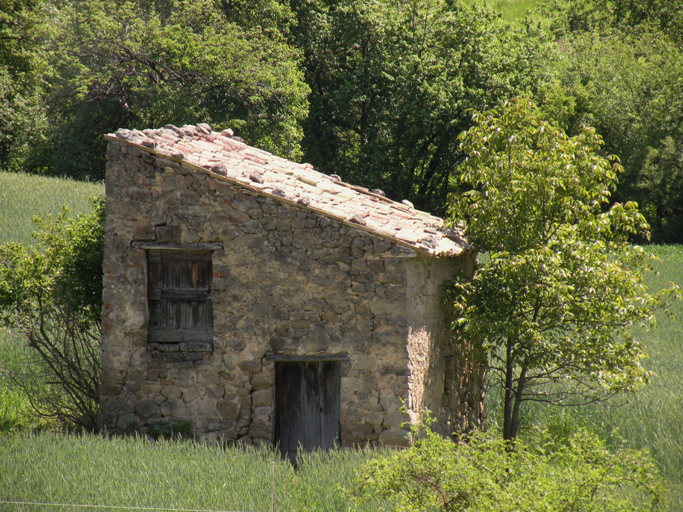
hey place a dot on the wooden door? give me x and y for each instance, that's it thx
(307, 405)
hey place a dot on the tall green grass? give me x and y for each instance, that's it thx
(25, 196)
(15, 411)
(92, 470)
(652, 417)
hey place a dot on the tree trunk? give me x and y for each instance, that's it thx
(513, 394)
(514, 423)
(509, 397)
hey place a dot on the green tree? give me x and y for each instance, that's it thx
(659, 188)
(596, 15)
(562, 288)
(114, 63)
(21, 116)
(52, 296)
(268, 15)
(391, 83)
(480, 473)
(627, 86)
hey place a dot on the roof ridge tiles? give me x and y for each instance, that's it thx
(199, 148)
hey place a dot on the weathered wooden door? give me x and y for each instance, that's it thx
(307, 405)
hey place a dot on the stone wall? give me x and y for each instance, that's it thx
(286, 280)
(444, 378)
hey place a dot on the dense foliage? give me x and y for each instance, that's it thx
(481, 473)
(107, 64)
(21, 118)
(392, 83)
(560, 293)
(376, 91)
(51, 295)
(666, 16)
(627, 86)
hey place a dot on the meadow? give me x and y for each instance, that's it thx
(134, 472)
(23, 197)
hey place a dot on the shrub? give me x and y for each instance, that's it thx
(482, 472)
(52, 296)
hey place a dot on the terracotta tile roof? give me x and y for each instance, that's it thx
(228, 158)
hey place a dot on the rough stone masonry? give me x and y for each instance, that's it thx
(293, 276)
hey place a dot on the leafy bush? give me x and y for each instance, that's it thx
(52, 296)
(482, 473)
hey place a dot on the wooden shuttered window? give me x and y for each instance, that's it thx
(179, 296)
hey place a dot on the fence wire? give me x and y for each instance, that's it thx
(113, 507)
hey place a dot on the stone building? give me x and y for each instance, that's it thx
(266, 302)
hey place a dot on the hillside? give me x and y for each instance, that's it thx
(24, 196)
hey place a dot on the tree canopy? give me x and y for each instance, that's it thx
(21, 24)
(391, 84)
(553, 307)
(110, 64)
(627, 86)
(666, 16)
(373, 90)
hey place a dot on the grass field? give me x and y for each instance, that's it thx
(24, 196)
(15, 410)
(133, 472)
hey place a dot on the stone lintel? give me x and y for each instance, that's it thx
(208, 246)
(342, 356)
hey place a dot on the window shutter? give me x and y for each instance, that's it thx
(179, 296)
